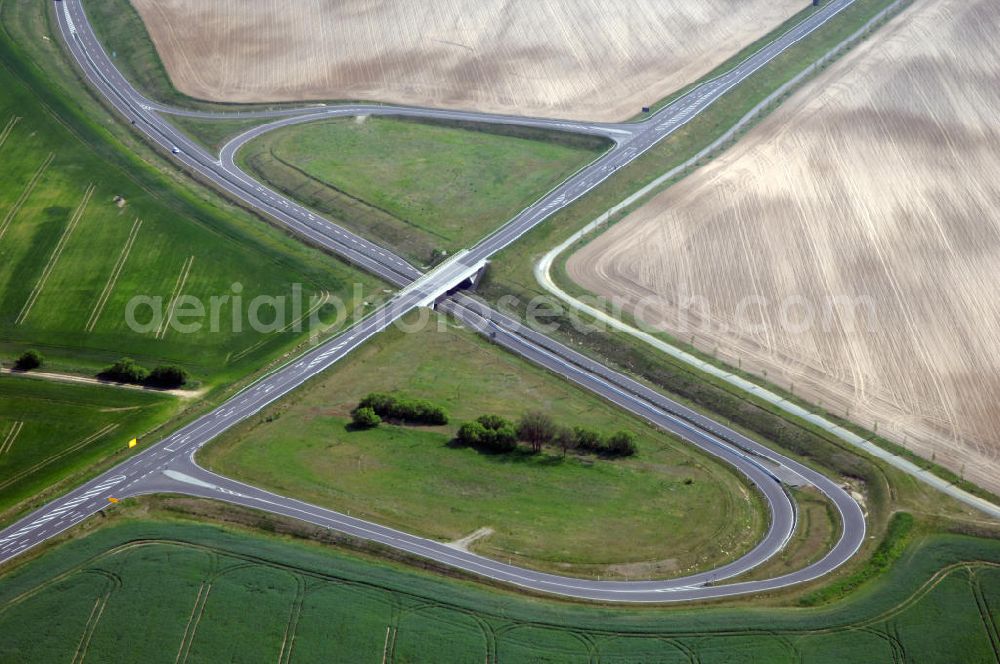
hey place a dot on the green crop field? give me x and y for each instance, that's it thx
(416, 187)
(174, 591)
(85, 228)
(47, 430)
(625, 517)
(71, 259)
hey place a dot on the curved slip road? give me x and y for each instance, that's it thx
(169, 465)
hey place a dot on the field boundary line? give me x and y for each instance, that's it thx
(116, 271)
(12, 435)
(174, 296)
(25, 193)
(55, 457)
(74, 221)
(5, 134)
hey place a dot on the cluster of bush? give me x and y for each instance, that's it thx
(621, 443)
(489, 432)
(126, 370)
(379, 407)
(497, 434)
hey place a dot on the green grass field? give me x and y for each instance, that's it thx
(175, 591)
(48, 430)
(415, 187)
(71, 257)
(586, 516)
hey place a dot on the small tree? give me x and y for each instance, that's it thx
(564, 440)
(167, 377)
(621, 444)
(125, 370)
(536, 429)
(365, 418)
(492, 421)
(497, 434)
(31, 359)
(503, 439)
(587, 440)
(424, 412)
(471, 434)
(381, 403)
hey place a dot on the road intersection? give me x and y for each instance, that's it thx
(169, 465)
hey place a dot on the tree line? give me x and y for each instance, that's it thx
(380, 407)
(492, 432)
(125, 370)
(536, 429)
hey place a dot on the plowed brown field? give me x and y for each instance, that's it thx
(849, 246)
(590, 59)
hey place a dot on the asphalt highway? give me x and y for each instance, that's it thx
(168, 466)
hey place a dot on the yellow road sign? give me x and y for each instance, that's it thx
(132, 443)
(113, 500)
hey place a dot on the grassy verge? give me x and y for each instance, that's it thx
(125, 38)
(634, 517)
(888, 552)
(48, 430)
(422, 189)
(152, 566)
(817, 530)
(734, 60)
(214, 134)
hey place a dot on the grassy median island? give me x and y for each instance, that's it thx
(153, 583)
(50, 430)
(419, 188)
(666, 511)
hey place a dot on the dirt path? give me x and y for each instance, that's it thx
(87, 380)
